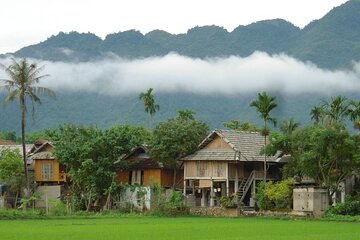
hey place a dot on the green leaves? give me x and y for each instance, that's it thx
(326, 154)
(89, 153)
(175, 138)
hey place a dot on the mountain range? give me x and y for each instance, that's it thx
(332, 42)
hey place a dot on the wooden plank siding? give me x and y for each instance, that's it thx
(205, 169)
(122, 176)
(56, 175)
(240, 169)
(152, 176)
(217, 143)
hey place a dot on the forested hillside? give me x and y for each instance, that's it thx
(332, 42)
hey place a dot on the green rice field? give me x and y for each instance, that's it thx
(157, 228)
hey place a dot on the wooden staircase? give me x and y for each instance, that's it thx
(244, 187)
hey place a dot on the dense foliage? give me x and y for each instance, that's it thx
(351, 207)
(274, 195)
(176, 138)
(89, 155)
(11, 169)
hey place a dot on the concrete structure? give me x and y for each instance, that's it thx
(311, 200)
(50, 194)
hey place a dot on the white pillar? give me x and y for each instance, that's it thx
(203, 199)
(212, 193)
(184, 193)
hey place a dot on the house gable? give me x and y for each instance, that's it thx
(217, 143)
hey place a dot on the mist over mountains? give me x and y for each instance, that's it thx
(212, 71)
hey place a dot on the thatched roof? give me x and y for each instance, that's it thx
(244, 146)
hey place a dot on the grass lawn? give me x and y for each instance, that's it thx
(157, 228)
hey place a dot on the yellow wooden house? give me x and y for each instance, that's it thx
(47, 170)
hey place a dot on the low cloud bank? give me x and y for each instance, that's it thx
(175, 73)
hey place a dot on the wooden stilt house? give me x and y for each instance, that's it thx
(47, 169)
(139, 168)
(227, 163)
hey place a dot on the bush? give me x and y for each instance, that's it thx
(274, 195)
(226, 201)
(350, 207)
(171, 205)
(21, 214)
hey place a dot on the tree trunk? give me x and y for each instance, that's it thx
(149, 121)
(265, 131)
(23, 142)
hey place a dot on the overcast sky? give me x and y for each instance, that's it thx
(25, 22)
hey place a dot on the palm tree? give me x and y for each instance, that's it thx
(354, 113)
(22, 86)
(288, 126)
(317, 113)
(149, 104)
(264, 104)
(337, 109)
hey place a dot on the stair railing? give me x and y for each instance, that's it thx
(247, 185)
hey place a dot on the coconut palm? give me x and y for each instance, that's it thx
(22, 86)
(149, 104)
(264, 104)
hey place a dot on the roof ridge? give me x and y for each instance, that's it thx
(236, 131)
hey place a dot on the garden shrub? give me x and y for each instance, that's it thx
(171, 205)
(350, 207)
(274, 195)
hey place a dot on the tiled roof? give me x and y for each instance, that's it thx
(247, 145)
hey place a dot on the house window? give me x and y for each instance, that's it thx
(136, 176)
(46, 171)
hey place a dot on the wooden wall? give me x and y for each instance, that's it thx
(57, 176)
(218, 143)
(122, 176)
(152, 176)
(164, 177)
(205, 169)
(240, 169)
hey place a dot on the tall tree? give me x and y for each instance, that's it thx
(263, 105)
(317, 113)
(326, 154)
(281, 143)
(149, 104)
(176, 138)
(186, 114)
(354, 113)
(22, 86)
(336, 110)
